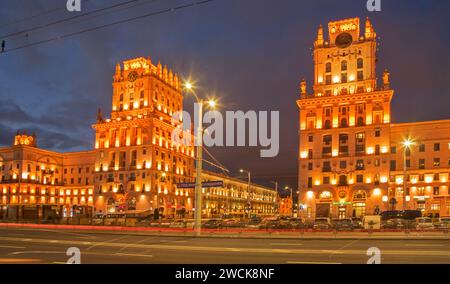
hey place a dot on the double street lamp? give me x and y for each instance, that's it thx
(199, 138)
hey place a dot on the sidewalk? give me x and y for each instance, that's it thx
(240, 233)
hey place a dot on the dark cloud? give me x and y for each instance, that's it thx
(57, 130)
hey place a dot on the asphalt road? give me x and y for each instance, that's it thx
(50, 246)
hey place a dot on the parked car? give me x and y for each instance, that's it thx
(444, 223)
(269, 224)
(253, 223)
(212, 224)
(424, 223)
(397, 223)
(343, 224)
(357, 223)
(297, 223)
(178, 224)
(322, 223)
(231, 223)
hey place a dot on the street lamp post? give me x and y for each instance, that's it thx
(199, 159)
(249, 202)
(276, 190)
(198, 180)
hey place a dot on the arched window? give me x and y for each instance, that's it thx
(360, 121)
(359, 195)
(111, 201)
(121, 97)
(344, 122)
(327, 124)
(360, 63)
(311, 124)
(344, 65)
(325, 195)
(328, 68)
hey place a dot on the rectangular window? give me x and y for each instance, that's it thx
(309, 182)
(310, 138)
(435, 207)
(437, 147)
(359, 178)
(393, 165)
(436, 162)
(360, 75)
(421, 164)
(360, 165)
(422, 147)
(326, 166)
(360, 142)
(343, 164)
(436, 190)
(394, 150)
(377, 133)
(310, 166)
(310, 154)
(326, 180)
(408, 164)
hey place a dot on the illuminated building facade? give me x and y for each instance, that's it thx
(285, 206)
(137, 165)
(37, 183)
(134, 167)
(232, 198)
(350, 154)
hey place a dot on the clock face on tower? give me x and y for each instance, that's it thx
(344, 40)
(132, 76)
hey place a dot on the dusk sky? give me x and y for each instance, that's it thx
(251, 54)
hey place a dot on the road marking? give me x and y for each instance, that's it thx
(424, 245)
(105, 242)
(248, 249)
(132, 254)
(14, 247)
(234, 249)
(54, 241)
(284, 244)
(17, 260)
(59, 262)
(310, 262)
(141, 241)
(35, 252)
